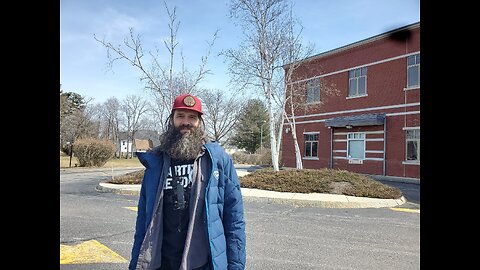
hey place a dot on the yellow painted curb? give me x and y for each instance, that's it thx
(406, 210)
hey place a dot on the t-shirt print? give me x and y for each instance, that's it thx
(182, 171)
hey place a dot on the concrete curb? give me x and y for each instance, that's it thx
(299, 199)
(320, 199)
(119, 189)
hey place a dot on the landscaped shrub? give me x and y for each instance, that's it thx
(93, 152)
(258, 158)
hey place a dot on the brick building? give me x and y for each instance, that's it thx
(358, 107)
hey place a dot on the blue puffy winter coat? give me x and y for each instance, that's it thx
(224, 208)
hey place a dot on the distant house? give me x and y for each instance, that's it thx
(144, 140)
(143, 145)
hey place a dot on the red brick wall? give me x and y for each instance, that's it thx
(386, 61)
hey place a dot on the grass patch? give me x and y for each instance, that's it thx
(112, 163)
(328, 181)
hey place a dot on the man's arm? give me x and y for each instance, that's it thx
(233, 218)
(139, 230)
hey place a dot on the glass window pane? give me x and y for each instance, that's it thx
(352, 88)
(412, 150)
(411, 60)
(309, 96)
(364, 71)
(413, 78)
(314, 149)
(308, 152)
(361, 85)
(355, 149)
(409, 134)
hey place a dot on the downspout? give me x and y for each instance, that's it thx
(385, 145)
(331, 148)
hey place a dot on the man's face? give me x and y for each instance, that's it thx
(185, 120)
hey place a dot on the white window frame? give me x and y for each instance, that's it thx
(311, 145)
(416, 64)
(356, 136)
(355, 78)
(407, 140)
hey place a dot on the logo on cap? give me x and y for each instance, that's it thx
(189, 101)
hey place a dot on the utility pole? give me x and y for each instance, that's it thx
(261, 139)
(261, 135)
(71, 153)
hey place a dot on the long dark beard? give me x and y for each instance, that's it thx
(182, 146)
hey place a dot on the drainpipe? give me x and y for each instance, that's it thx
(385, 146)
(331, 147)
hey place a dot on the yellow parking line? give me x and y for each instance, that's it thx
(89, 252)
(132, 208)
(406, 210)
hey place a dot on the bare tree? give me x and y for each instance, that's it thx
(134, 108)
(222, 113)
(260, 58)
(112, 108)
(162, 81)
(293, 53)
(76, 118)
(296, 98)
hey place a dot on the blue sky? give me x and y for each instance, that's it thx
(327, 24)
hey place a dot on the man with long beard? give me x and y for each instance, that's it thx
(190, 210)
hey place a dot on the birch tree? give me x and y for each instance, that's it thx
(293, 94)
(259, 60)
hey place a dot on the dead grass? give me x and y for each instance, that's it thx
(112, 163)
(132, 178)
(302, 181)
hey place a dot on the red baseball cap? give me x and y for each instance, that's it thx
(188, 102)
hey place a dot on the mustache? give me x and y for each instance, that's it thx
(189, 126)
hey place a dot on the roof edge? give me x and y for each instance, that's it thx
(358, 43)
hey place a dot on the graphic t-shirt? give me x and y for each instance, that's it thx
(176, 211)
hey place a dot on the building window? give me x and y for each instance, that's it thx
(356, 145)
(313, 90)
(413, 144)
(311, 145)
(413, 70)
(357, 82)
